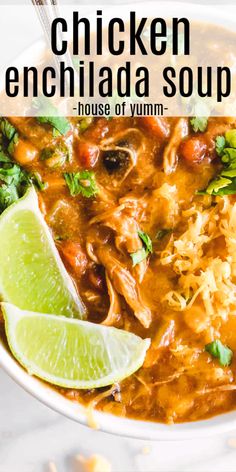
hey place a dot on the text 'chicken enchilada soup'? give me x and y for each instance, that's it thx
(143, 214)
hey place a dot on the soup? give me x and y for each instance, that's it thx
(151, 251)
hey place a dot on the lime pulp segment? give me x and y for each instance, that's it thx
(72, 353)
(32, 275)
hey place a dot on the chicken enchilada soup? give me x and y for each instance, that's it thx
(143, 214)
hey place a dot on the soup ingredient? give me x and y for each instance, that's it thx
(221, 352)
(220, 145)
(95, 463)
(13, 181)
(157, 126)
(24, 152)
(72, 353)
(32, 274)
(87, 154)
(10, 133)
(115, 159)
(225, 182)
(199, 123)
(56, 156)
(83, 183)
(59, 123)
(194, 149)
(142, 253)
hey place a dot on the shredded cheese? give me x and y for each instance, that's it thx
(202, 277)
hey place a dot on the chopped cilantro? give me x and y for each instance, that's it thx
(60, 123)
(49, 115)
(8, 195)
(56, 156)
(230, 137)
(146, 240)
(83, 183)
(142, 253)
(36, 180)
(225, 182)
(9, 133)
(14, 181)
(220, 145)
(221, 352)
(199, 123)
(7, 129)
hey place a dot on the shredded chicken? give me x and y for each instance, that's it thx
(125, 285)
(170, 158)
(126, 230)
(114, 313)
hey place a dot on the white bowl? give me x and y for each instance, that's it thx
(49, 396)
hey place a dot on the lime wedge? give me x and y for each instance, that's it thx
(32, 275)
(72, 353)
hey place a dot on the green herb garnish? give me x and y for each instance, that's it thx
(199, 123)
(13, 183)
(225, 182)
(221, 352)
(37, 181)
(60, 123)
(220, 145)
(142, 253)
(49, 115)
(9, 133)
(56, 156)
(83, 183)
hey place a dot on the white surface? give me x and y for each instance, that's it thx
(31, 435)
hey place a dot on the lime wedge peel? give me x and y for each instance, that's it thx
(32, 275)
(71, 353)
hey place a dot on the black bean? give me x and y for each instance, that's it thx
(114, 159)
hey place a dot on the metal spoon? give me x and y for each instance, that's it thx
(47, 11)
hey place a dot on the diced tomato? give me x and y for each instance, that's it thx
(73, 256)
(87, 154)
(156, 125)
(194, 149)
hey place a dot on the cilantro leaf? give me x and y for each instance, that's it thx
(220, 145)
(60, 123)
(7, 129)
(49, 115)
(83, 183)
(8, 195)
(225, 182)
(147, 242)
(221, 352)
(10, 134)
(217, 184)
(37, 181)
(56, 156)
(199, 123)
(142, 253)
(230, 137)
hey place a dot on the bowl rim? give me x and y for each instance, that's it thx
(105, 422)
(132, 428)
